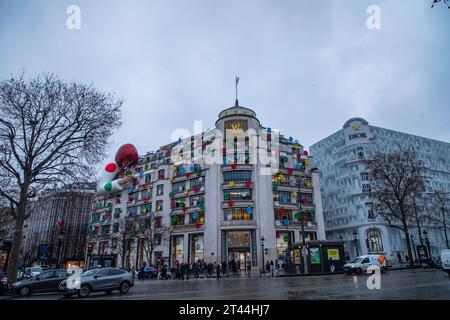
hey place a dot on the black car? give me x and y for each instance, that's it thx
(47, 281)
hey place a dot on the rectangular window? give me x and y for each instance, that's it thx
(115, 227)
(197, 199)
(177, 220)
(159, 205)
(132, 211)
(105, 230)
(96, 217)
(366, 187)
(159, 189)
(161, 174)
(117, 212)
(282, 196)
(196, 183)
(237, 176)
(158, 222)
(231, 214)
(148, 178)
(282, 215)
(306, 198)
(178, 186)
(199, 217)
(238, 194)
(146, 194)
(364, 176)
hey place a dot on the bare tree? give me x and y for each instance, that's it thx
(51, 132)
(121, 240)
(152, 233)
(147, 228)
(419, 214)
(396, 177)
(441, 217)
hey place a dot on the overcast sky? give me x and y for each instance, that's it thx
(305, 67)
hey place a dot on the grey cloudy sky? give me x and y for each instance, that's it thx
(305, 66)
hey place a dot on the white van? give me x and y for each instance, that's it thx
(445, 258)
(361, 263)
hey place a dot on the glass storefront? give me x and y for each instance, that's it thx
(238, 243)
(282, 240)
(177, 249)
(196, 248)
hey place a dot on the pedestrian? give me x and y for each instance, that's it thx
(268, 267)
(399, 257)
(218, 271)
(271, 266)
(249, 269)
(406, 258)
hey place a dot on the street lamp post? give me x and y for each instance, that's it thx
(262, 270)
(425, 233)
(356, 242)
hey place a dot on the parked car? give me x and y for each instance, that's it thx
(445, 260)
(361, 263)
(47, 281)
(33, 271)
(20, 276)
(95, 280)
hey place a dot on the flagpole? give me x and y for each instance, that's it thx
(236, 85)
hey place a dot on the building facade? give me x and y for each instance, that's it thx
(57, 227)
(348, 214)
(219, 201)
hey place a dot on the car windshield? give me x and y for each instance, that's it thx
(357, 260)
(90, 273)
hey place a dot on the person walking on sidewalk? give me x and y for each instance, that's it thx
(218, 271)
(249, 269)
(268, 267)
(271, 266)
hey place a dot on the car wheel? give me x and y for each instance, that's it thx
(84, 291)
(124, 287)
(358, 271)
(24, 291)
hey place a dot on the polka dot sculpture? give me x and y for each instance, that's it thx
(126, 156)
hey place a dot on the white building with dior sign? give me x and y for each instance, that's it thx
(342, 159)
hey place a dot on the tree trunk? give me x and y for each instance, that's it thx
(445, 228)
(14, 254)
(410, 252)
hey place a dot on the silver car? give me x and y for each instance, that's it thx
(94, 280)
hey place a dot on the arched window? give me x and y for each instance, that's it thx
(375, 242)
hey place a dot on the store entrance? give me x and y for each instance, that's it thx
(239, 248)
(242, 259)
